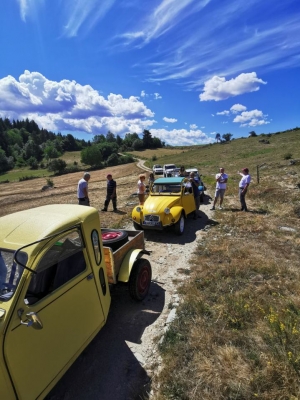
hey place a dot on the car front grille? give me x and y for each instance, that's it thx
(154, 218)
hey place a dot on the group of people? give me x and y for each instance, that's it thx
(221, 184)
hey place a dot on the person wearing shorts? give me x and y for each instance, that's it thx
(221, 184)
(141, 189)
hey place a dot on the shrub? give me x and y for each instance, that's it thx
(50, 182)
(287, 156)
(154, 158)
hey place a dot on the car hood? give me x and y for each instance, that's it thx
(157, 204)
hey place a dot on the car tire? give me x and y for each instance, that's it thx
(140, 279)
(114, 238)
(179, 226)
(137, 227)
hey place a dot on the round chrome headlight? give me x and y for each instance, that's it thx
(167, 210)
(138, 209)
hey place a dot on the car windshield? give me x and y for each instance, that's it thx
(166, 189)
(10, 272)
(157, 166)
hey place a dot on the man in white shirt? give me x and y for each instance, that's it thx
(243, 187)
(221, 179)
(82, 190)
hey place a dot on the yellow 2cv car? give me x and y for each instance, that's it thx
(54, 291)
(169, 202)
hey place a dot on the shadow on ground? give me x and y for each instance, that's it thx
(107, 369)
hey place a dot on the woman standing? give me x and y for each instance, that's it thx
(141, 189)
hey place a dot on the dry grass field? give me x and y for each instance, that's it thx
(16, 196)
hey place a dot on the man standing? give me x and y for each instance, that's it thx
(111, 193)
(82, 190)
(195, 184)
(243, 187)
(221, 179)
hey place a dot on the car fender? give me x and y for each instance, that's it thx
(127, 263)
(176, 212)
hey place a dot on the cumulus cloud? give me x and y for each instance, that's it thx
(143, 93)
(217, 88)
(69, 105)
(157, 96)
(171, 120)
(236, 108)
(193, 126)
(251, 118)
(182, 137)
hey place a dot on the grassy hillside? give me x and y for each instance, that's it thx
(237, 331)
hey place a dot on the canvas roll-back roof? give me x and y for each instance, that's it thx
(171, 180)
(28, 226)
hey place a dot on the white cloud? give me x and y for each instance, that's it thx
(69, 105)
(84, 13)
(225, 112)
(251, 118)
(217, 88)
(236, 108)
(193, 126)
(171, 120)
(157, 96)
(182, 137)
(143, 93)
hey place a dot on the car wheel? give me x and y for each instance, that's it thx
(140, 279)
(114, 238)
(137, 227)
(179, 226)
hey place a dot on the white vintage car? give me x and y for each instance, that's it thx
(157, 169)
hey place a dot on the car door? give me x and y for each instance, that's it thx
(64, 296)
(188, 201)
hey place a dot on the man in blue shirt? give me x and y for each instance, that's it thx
(111, 193)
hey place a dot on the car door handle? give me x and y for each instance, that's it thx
(33, 319)
(90, 277)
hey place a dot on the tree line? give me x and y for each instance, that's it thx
(24, 144)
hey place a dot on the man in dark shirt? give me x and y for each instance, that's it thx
(195, 184)
(111, 193)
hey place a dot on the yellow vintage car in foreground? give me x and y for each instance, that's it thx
(55, 274)
(169, 202)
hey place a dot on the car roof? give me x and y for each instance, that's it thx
(191, 170)
(175, 180)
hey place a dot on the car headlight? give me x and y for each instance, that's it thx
(167, 210)
(139, 209)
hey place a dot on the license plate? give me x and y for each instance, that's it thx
(151, 223)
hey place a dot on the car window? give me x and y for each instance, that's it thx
(10, 272)
(166, 189)
(61, 263)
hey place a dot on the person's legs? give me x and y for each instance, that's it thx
(222, 193)
(197, 204)
(243, 201)
(114, 202)
(106, 203)
(141, 199)
(216, 199)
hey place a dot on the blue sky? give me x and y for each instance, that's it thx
(184, 69)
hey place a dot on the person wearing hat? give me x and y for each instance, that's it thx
(243, 187)
(111, 193)
(82, 190)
